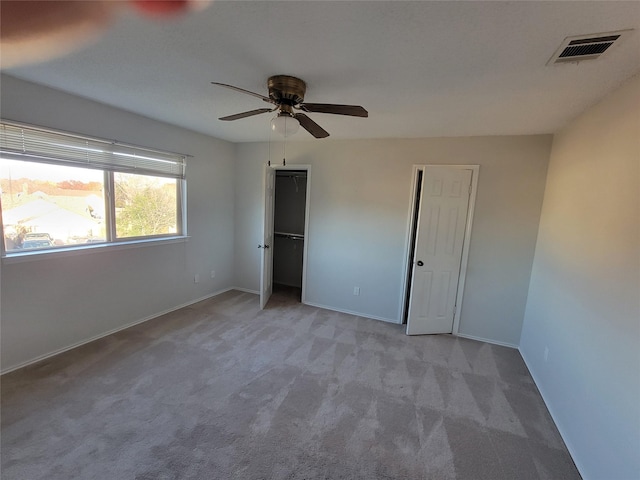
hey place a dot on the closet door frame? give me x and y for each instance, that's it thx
(465, 248)
(306, 168)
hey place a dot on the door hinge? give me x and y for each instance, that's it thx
(454, 311)
(470, 188)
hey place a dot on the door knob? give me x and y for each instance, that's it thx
(420, 263)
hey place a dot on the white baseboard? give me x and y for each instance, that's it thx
(568, 444)
(351, 312)
(101, 335)
(487, 340)
(245, 290)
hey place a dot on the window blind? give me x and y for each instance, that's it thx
(22, 142)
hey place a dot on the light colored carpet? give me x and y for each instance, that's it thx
(222, 390)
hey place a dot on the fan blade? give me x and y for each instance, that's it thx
(351, 110)
(250, 113)
(242, 90)
(310, 126)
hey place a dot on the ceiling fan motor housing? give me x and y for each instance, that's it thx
(286, 90)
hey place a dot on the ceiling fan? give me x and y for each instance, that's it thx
(287, 94)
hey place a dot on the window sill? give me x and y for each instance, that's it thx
(89, 249)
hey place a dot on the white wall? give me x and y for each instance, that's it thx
(360, 198)
(585, 288)
(51, 304)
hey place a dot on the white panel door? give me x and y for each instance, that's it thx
(266, 270)
(438, 252)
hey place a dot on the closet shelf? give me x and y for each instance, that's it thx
(290, 236)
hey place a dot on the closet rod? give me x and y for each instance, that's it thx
(290, 236)
(292, 174)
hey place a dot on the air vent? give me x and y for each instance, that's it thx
(586, 47)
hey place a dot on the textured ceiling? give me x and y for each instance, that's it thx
(421, 69)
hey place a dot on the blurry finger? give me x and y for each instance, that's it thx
(169, 7)
(36, 30)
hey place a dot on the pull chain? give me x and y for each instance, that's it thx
(284, 150)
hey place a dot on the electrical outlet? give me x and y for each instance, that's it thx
(546, 353)
(213, 274)
(196, 278)
(356, 291)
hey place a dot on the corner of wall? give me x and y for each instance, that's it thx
(580, 337)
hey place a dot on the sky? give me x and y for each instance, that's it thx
(42, 171)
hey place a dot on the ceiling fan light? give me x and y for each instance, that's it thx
(285, 125)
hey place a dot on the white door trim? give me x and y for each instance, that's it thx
(475, 171)
(305, 247)
(266, 243)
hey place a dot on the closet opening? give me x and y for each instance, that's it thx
(289, 217)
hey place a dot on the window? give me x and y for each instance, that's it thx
(60, 190)
(145, 205)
